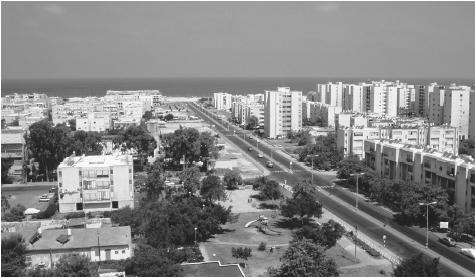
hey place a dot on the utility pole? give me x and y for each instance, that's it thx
(356, 238)
(427, 217)
(357, 196)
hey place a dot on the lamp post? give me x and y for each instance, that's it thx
(356, 237)
(195, 234)
(357, 178)
(427, 217)
(312, 157)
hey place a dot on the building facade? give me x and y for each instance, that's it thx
(282, 112)
(95, 183)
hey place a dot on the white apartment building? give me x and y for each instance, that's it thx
(282, 112)
(95, 121)
(330, 93)
(326, 113)
(456, 109)
(74, 108)
(242, 112)
(354, 98)
(348, 119)
(350, 141)
(222, 101)
(398, 161)
(95, 183)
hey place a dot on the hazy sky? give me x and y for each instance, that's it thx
(238, 39)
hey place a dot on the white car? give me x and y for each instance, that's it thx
(260, 155)
(44, 198)
(469, 252)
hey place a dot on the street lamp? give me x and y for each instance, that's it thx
(427, 215)
(357, 196)
(195, 234)
(312, 157)
(356, 239)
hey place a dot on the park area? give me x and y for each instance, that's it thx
(27, 196)
(277, 235)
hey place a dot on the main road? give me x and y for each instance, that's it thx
(376, 231)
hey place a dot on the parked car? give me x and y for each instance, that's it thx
(44, 198)
(469, 252)
(249, 149)
(260, 155)
(447, 241)
(269, 164)
(52, 190)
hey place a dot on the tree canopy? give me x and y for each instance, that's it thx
(151, 262)
(6, 164)
(326, 235)
(252, 122)
(74, 265)
(190, 178)
(155, 182)
(212, 188)
(304, 258)
(303, 203)
(232, 179)
(13, 255)
(418, 266)
(138, 138)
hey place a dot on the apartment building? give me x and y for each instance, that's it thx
(241, 112)
(73, 108)
(222, 101)
(348, 119)
(321, 112)
(95, 121)
(350, 140)
(398, 161)
(282, 112)
(330, 93)
(354, 98)
(13, 147)
(95, 183)
(456, 109)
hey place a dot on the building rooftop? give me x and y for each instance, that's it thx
(96, 161)
(211, 269)
(81, 238)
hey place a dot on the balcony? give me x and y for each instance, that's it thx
(96, 200)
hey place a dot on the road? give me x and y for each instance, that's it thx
(395, 243)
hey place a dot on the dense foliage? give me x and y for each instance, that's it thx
(151, 262)
(232, 179)
(190, 177)
(212, 188)
(6, 164)
(325, 235)
(241, 253)
(13, 255)
(304, 258)
(323, 152)
(303, 203)
(418, 266)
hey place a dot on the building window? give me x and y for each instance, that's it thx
(97, 253)
(117, 252)
(123, 251)
(130, 170)
(472, 178)
(112, 171)
(60, 184)
(115, 204)
(59, 173)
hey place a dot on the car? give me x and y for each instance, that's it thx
(249, 149)
(469, 252)
(44, 198)
(447, 241)
(52, 190)
(260, 155)
(249, 136)
(269, 164)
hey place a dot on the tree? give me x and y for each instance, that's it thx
(48, 145)
(126, 217)
(467, 146)
(252, 122)
(137, 138)
(270, 190)
(149, 262)
(168, 117)
(13, 255)
(72, 124)
(6, 164)
(15, 214)
(326, 235)
(88, 143)
(305, 259)
(303, 203)
(190, 178)
(212, 188)
(188, 143)
(241, 253)
(74, 265)
(5, 204)
(155, 182)
(232, 179)
(350, 165)
(418, 266)
(147, 115)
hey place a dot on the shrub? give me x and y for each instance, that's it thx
(262, 246)
(79, 214)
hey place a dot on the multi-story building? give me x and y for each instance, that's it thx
(95, 121)
(354, 98)
(282, 112)
(320, 112)
(398, 161)
(456, 109)
(95, 183)
(330, 93)
(222, 101)
(13, 147)
(350, 141)
(348, 119)
(72, 109)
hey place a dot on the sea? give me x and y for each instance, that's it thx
(186, 87)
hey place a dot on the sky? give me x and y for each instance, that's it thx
(54, 40)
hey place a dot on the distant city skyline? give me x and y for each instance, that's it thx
(67, 40)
